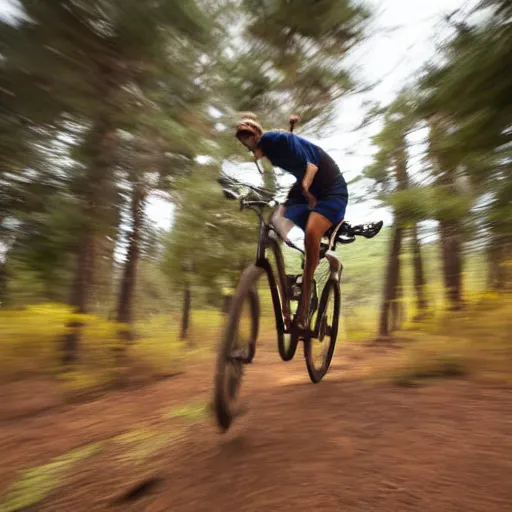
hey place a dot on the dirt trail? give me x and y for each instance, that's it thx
(342, 445)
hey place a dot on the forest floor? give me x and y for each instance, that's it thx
(349, 443)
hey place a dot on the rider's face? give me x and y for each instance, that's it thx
(249, 140)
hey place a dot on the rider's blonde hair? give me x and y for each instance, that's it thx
(249, 123)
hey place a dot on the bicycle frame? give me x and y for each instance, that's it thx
(279, 291)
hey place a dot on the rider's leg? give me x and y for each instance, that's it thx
(281, 223)
(316, 227)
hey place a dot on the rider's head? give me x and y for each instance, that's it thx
(249, 131)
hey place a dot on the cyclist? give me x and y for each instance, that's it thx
(315, 202)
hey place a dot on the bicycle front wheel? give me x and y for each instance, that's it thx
(319, 347)
(237, 347)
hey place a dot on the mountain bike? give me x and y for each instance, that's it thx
(237, 349)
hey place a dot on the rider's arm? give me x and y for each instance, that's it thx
(311, 170)
(306, 153)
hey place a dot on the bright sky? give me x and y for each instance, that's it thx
(405, 35)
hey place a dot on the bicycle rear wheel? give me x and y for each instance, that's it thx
(319, 348)
(237, 347)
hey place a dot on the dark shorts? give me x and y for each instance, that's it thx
(332, 208)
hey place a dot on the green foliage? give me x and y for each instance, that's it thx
(140, 444)
(467, 98)
(28, 338)
(429, 202)
(431, 359)
(211, 239)
(464, 184)
(191, 412)
(472, 86)
(28, 346)
(416, 204)
(305, 42)
(107, 96)
(475, 342)
(389, 169)
(105, 103)
(275, 63)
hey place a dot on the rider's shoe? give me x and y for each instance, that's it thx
(368, 230)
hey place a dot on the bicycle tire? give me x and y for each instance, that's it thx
(226, 365)
(317, 374)
(254, 302)
(286, 351)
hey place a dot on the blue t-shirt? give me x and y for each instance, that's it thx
(292, 154)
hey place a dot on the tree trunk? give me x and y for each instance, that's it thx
(226, 303)
(397, 312)
(79, 297)
(185, 317)
(451, 240)
(126, 294)
(419, 274)
(392, 310)
(104, 296)
(451, 247)
(494, 281)
(95, 189)
(3, 285)
(392, 280)
(499, 255)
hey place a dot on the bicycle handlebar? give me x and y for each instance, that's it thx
(248, 199)
(248, 196)
(257, 203)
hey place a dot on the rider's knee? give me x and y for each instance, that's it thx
(281, 223)
(312, 236)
